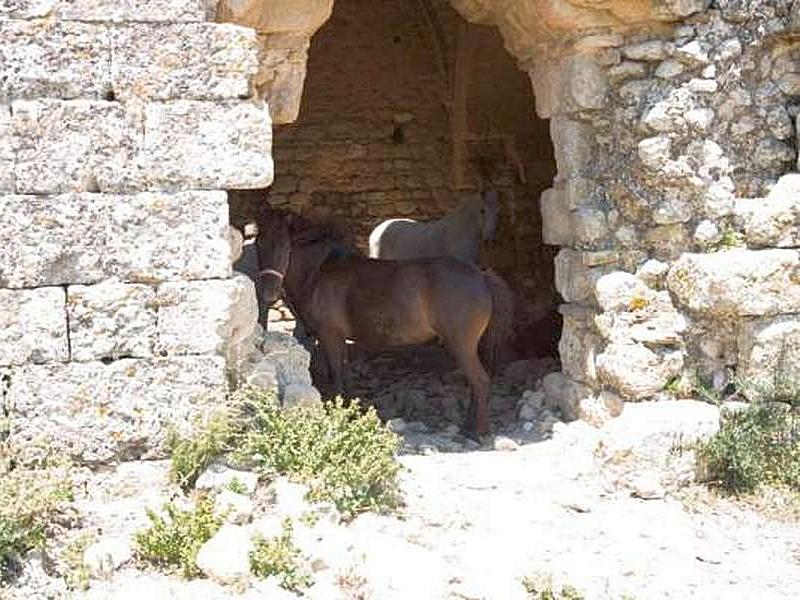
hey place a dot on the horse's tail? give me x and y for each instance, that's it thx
(494, 341)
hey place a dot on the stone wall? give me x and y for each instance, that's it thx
(675, 148)
(118, 121)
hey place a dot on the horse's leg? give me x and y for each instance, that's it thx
(335, 347)
(466, 354)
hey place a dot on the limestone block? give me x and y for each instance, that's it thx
(147, 11)
(204, 145)
(74, 145)
(6, 151)
(774, 220)
(738, 282)
(205, 317)
(282, 73)
(278, 16)
(579, 344)
(33, 326)
(635, 371)
(557, 227)
(111, 320)
(590, 224)
(574, 280)
(653, 51)
(586, 82)
(158, 236)
(26, 9)
(769, 351)
(196, 61)
(226, 556)
(98, 413)
(574, 146)
(52, 240)
(50, 58)
(292, 363)
(564, 395)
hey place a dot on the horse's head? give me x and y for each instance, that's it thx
(273, 244)
(490, 210)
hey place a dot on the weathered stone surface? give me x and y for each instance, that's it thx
(204, 145)
(587, 85)
(111, 320)
(653, 50)
(226, 556)
(107, 555)
(564, 395)
(98, 413)
(52, 240)
(25, 9)
(769, 352)
(635, 371)
(291, 359)
(282, 73)
(574, 146)
(205, 317)
(74, 145)
(574, 280)
(148, 11)
(33, 326)
(738, 282)
(774, 220)
(281, 16)
(163, 236)
(579, 343)
(50, 58)
(191, 62)
(556, 222)
(218, 477)
(6, 151)
(235, 508)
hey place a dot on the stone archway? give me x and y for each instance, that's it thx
(651, 124)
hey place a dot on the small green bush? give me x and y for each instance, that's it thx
(542, 588)
(174, 540)
(190, 456)
(31, 502)
(345, 456)
(758, 445)
(279, 557)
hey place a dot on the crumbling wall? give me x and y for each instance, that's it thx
(119, 124)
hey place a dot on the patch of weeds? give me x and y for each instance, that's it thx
(279, 557)
(236, 486)
(32, 503)
(190, 456)
(173, 540)
(541, 587)
(755, 446)
(76, 574)
(730, 238)
(346, 456)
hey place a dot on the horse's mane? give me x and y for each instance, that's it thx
(303, 229)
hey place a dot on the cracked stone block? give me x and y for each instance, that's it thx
(52, 240)
(71, 145)
(33, 326)
(50, 58)
(159, 236)
(100, 413)
(147, 11)
(201, 61)
(111, 320)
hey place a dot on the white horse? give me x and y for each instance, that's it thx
(458, 234)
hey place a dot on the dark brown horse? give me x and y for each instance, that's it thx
(342, 295)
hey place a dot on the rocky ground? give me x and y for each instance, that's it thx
(612, 511)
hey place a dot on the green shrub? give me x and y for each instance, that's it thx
(345, 455)
(175, 539)
(31, 502)
(279, 557)
(190, 456)
(758, 445)
(541, 587)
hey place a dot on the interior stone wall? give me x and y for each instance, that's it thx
(120, 125)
